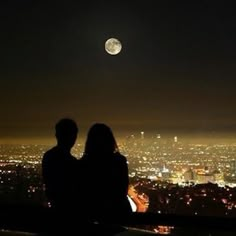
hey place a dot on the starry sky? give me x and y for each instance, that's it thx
(176, 70)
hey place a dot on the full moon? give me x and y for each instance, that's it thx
(113, 46)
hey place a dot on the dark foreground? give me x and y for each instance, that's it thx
(37, 220)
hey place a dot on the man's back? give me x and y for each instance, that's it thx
(60, 169)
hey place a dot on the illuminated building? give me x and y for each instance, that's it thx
(142, 134)
(203, 178)
(233, 167)
(189, 175)
(218, 176)
(165, 173)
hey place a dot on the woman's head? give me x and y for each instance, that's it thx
(100, 140)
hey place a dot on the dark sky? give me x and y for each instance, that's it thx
(176, 70)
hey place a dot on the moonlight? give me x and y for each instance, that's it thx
(113, 46)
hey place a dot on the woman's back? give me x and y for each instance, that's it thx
(106, 186)
(106, 175)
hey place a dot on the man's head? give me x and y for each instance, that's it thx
(66, 132)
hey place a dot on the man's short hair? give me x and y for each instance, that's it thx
(66, 127)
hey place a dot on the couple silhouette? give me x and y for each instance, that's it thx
(94, 187)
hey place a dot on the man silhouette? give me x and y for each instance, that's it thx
(59, 168)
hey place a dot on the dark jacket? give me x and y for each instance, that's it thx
(106, 179)
(60, 169)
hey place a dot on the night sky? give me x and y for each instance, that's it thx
(176, 70)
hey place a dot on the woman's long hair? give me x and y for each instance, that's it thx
(100, 140)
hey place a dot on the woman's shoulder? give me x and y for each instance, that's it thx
(119, 157)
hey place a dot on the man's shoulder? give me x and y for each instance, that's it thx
(51, 151)
(74, 159)
(49, 154)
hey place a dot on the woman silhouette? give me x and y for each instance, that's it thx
(106, 173)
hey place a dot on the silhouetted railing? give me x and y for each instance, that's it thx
(37, 219)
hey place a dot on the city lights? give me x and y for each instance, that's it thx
(174, 175)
